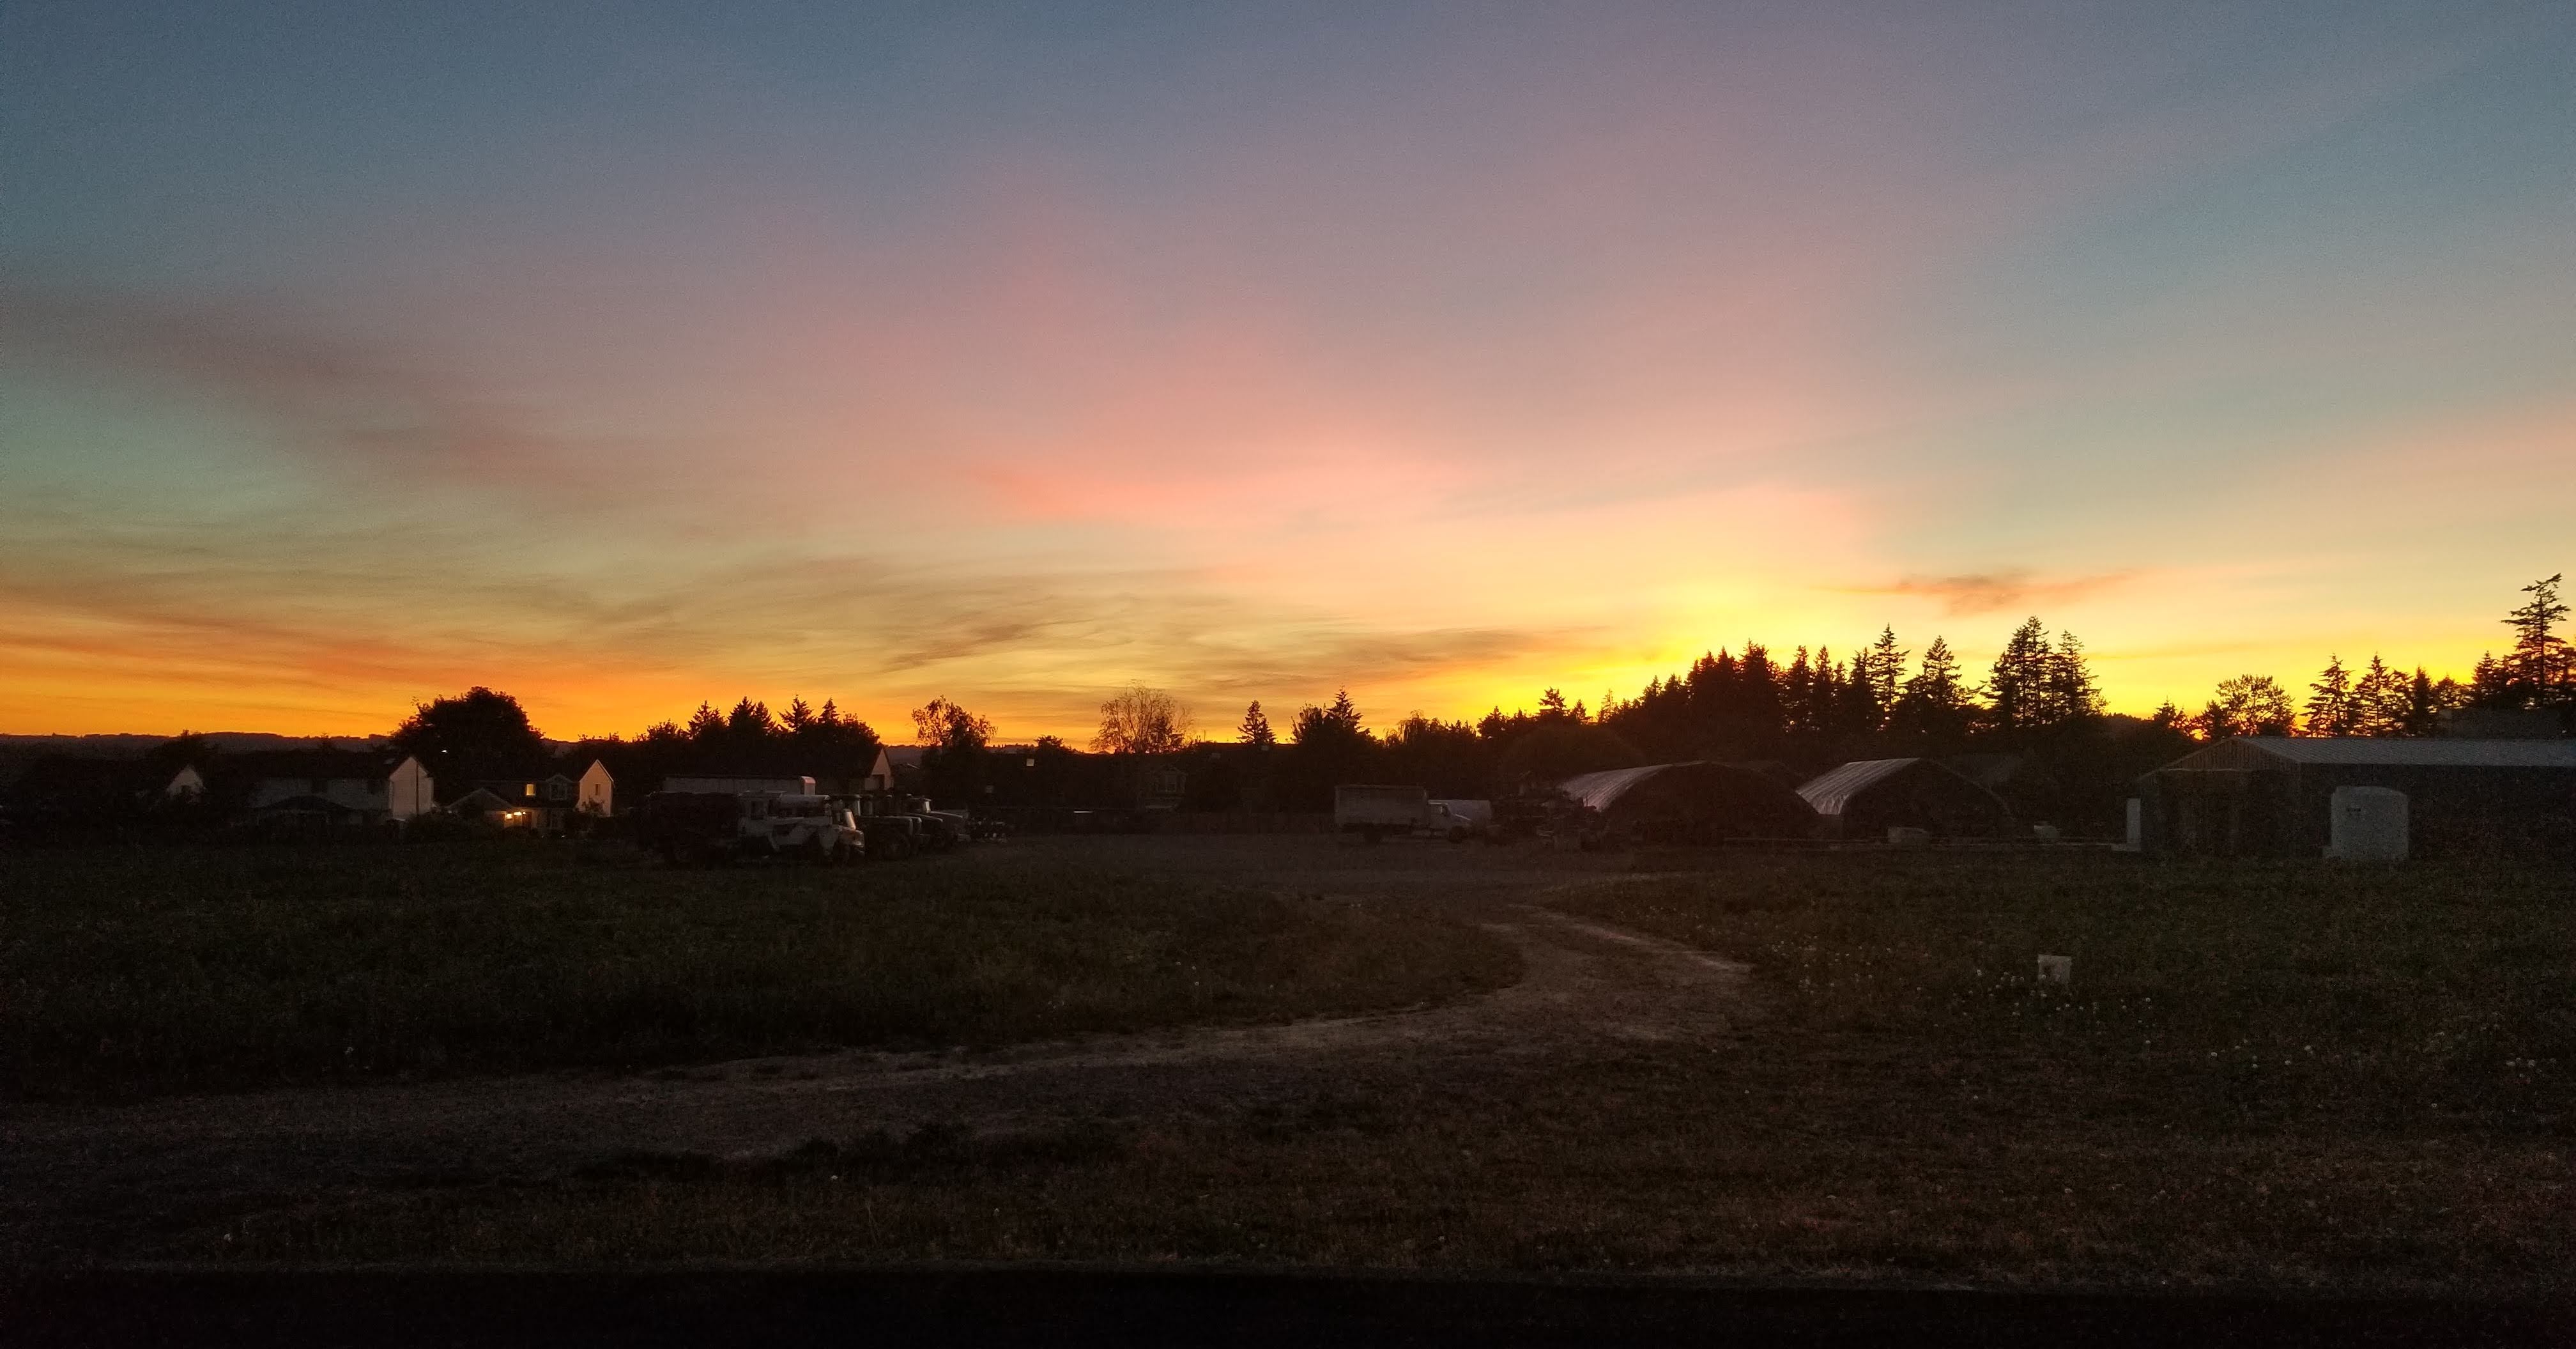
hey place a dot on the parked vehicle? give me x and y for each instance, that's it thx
(1373, 812)
(1460, 820)
(701, 827)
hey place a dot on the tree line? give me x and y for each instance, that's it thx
(2037, 702)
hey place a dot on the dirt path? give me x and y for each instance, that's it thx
(72, 1172)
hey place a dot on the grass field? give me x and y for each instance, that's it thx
(2265, 1074)
(167, 969)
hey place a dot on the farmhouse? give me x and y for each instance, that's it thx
(325, 788)
(1696, 802)
(544, 799)
(2269, 795)
(1866, 798)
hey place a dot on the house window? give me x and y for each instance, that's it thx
(558, 790)
(530, 791)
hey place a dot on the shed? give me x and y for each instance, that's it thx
(2271, 795)
(1694, 802)
(1867, 797)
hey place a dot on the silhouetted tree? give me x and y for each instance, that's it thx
(1255, 728)
(1934, 704)
(1141, 720)
(476, 734)
(2069, 695)
(1337, 724)
(799, 716)
(2379, 700)
(2540, 670)
(2248, 704)
(706, 725)
(2015, 689)
(944, 725)
(749, 723)
(2330, 710)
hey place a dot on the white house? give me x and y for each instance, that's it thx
(342, 785)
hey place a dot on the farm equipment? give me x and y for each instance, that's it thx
(701, 827)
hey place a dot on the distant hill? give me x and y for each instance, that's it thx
(18, 751)
(133, 746)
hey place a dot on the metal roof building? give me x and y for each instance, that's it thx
(1865, 798)
(1694, 802)
(2267, 795)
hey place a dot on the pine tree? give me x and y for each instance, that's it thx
(1255, 729)
(749, 721)
(706, 723)
(2330, 701)
(2072, 694)
(800, 716)
(2541, 667)
(1934, 702)
(1886, 671)
(2016, 689)
(1797, 695)
(830, 717)
(2379, 700)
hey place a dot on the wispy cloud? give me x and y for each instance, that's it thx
(1986, 592)
(355, 408)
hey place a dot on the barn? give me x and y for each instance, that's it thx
(2268, 796)
(1866, 798)
(1696, 802)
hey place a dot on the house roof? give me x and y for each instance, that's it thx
(2359, 752)
(1829, 792)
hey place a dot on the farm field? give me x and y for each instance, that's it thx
(1814, 1066)
(146, 971)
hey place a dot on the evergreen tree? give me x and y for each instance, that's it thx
(2016, 687)
(1255, 729)
(749, 723)
(2331, 710)
(1934, 703)
(2379, 700)
(800, 716)
(1797, 695)
(1337, 724)
(2071, 694)
(1886, 672)
(2541, 668)
(830, 717)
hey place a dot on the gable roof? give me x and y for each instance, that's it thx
(2248, 751)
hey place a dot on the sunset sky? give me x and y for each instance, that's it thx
(627, 356)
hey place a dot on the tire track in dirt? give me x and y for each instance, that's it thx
(1584, 987)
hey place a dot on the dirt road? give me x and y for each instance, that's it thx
(74, 1175)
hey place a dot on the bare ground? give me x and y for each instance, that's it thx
(83, 1181)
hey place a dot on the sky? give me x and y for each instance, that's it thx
(627, 356)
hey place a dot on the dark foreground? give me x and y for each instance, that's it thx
(1433, 1062)
(1079, 1305)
